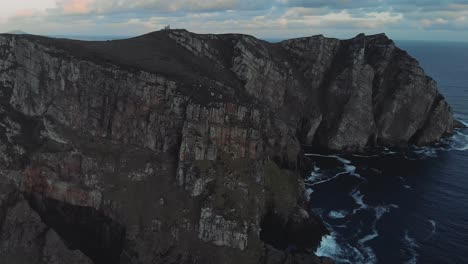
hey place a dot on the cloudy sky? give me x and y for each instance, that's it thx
(416, 19)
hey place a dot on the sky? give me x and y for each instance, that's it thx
(279, 19)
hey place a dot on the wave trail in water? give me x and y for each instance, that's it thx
(433, 230)
(358, 198)
(410, 248)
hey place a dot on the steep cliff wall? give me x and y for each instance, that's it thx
(181, 148)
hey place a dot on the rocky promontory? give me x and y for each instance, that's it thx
(175, 147)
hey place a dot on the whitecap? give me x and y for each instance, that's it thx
(426, 152)
(433, 230)
(407, 187)
(326, 180)
(340, 251)
(314, 175)
(359, 200)
(461, 121)
(379, 212)
(342, 160)
(337, 214)
(368, 238)
(318, 177)
(341, 226)
(387, 151)
(411, 246)
(459, 141)
(328, 247)
(352, 170)
(316, 169)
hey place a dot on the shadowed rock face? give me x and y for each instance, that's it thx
(174, 147)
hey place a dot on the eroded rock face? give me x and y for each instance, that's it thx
(24, 238)
(181, 148)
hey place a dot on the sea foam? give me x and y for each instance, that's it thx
(337, 214)
(411, 246)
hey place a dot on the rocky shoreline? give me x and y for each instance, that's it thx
(175, 147)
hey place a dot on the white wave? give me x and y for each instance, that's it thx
(368, 238)
(341, 226)
(359, 200)
(411, 247)
(426, 152)
(316, 169)
(463, 148)
(371, 257)
(328, 247)
(342, 160)
(434, 228)
(352, 171)
(350, 168)
(406, 186)
(317, 177)
(310, 183)
(341, 252)
(459, 141)
(379, 212)
(387, 151)
(337, 214)
(314, 175)
(461, 121)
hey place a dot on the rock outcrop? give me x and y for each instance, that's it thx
(175, 147)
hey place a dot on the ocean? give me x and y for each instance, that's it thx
(402, 207)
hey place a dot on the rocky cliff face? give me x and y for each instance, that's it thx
(181, 148)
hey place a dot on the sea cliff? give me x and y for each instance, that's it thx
(175, 147)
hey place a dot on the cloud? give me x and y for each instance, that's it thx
(334, 4)
(344, 19)
(156, 6)
(25, 12)
(264, 18)
(75, 6)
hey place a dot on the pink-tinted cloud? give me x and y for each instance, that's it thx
(25, 12)
(76, 6)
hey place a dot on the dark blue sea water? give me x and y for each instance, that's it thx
(407, 207)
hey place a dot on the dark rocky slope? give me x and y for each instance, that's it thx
(174, 147)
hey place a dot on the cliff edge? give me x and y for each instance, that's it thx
(175, 147)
